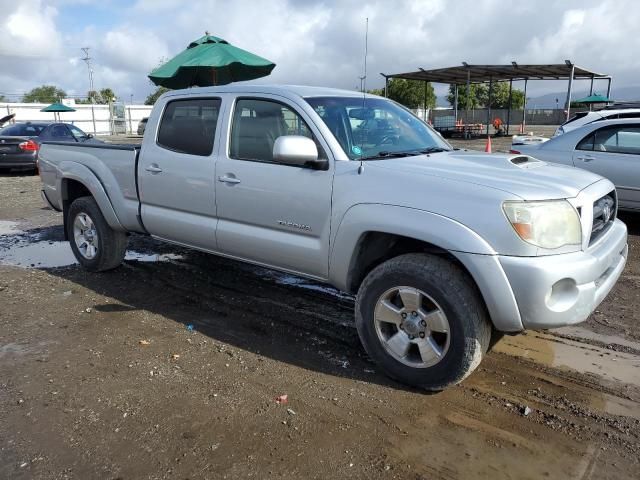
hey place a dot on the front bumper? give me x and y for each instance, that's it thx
(558, 290)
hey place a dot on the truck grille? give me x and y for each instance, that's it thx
(604, 213)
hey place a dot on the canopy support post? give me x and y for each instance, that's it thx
(386, 84)
(568, 102)
(609, 88)
(467, 133)
(424, 104)
(524, 107)
(509, 105)
(455, 103)
(489, 104)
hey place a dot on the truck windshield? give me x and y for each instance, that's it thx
(375, 127)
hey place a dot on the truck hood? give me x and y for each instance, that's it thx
(519, 175)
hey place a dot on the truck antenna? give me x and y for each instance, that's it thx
(364, 83)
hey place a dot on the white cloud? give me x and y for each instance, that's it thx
(315, 43)
(28, 29)
(132, 49)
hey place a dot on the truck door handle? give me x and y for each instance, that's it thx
(230, 180)
(586, 158)
(153, 168)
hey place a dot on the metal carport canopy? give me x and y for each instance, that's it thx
(473, 74)
(496, 73)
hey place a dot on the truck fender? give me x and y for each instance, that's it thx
(471, 250)
(80, 173)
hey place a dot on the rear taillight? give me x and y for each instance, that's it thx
(514, 151)
(28, 146)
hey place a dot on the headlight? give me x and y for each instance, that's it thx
(548, 224)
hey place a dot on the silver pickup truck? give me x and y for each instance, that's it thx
(446, 249)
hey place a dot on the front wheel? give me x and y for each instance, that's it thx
(95, 244)
(422, 320)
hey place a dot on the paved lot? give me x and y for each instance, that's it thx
(169, 367)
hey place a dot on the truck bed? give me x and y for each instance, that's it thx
(113, 166)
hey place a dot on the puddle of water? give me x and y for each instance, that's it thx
(621, 407)
(39, 255)
(9, 228)
(589, 335)
(151, 257)
(12, 349)
(291, 280)
(584, 358)
(23, 250)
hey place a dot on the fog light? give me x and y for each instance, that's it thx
(563, 295)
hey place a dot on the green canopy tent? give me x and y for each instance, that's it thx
(210, 61)
(595, 98)
(56, 108)
(592, 99)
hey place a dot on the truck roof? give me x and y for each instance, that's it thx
(284, 90)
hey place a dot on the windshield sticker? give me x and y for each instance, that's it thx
(356, 150)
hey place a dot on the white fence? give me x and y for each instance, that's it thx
(96, 119)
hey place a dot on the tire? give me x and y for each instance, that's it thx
(456, 330)
(96, 246)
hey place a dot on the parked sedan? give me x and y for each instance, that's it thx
(19, 143)
(610, 148)
(584, 118)
(142, 125)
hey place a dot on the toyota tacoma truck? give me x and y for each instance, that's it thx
(445, 249)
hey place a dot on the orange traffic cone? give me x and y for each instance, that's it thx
(487, 147)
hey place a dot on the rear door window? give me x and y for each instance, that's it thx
(620, 139)
(586, 143)
(189, 126)
(24, 130)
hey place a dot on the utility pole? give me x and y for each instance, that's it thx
(87, 60)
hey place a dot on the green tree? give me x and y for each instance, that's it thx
(153, 97)
(3, 98)
(44, 94)
(107, 95)
(409, 93)
(479, 94)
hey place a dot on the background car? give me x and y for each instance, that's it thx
(20, 142)
(610, 148)
(142, 124)
(584, 118)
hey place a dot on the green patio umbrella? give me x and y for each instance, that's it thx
(595, 98)
(210, 61)
(56, 108)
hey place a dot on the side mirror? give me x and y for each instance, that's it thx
(299, 151)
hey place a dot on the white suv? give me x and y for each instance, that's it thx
(583, 118)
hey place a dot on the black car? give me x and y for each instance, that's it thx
(20, 142)
(142, 124)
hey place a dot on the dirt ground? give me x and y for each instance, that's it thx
(169, 367)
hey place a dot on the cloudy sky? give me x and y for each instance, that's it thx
(316, 43)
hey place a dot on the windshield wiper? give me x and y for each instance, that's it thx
(386, 154)
(433, 150)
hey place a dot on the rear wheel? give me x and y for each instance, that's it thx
(95, 244)
(422, 320)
